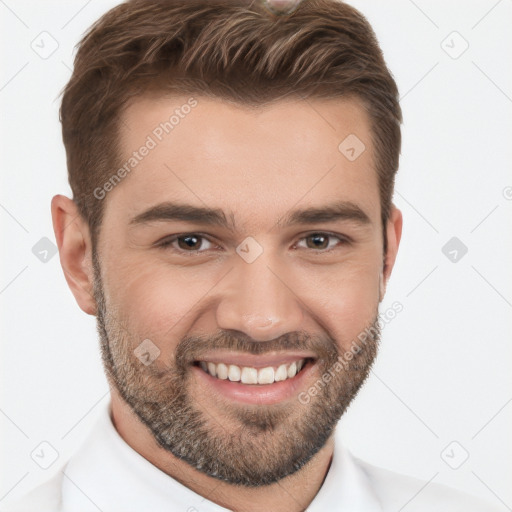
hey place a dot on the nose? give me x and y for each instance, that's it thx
(257, 299)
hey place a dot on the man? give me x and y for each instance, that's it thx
(232, 230)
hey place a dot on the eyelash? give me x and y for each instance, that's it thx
(166, 243)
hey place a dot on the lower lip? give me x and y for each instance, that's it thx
(257, 393)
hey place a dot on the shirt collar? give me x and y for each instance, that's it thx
(107, 473)
(346, 486)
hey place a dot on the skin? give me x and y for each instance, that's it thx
(256, 165)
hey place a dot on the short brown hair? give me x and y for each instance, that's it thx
(238, 50)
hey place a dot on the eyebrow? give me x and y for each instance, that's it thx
(343, 210)
(169, 211)
(185, 212)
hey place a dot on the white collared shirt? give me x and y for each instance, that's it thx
(107, 475)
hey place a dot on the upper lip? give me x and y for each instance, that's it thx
(255, 361)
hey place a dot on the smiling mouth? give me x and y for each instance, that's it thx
(251, 375)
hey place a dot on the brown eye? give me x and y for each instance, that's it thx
(322, 242)
(317, 241)
(189, 242)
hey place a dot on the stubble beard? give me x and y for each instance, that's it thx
(243, 445)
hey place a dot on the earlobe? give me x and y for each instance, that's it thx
(382, 285)
(394, 234)
(75, 251)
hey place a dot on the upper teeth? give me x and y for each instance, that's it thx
(249, 375)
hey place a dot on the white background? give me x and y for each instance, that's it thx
(444, 371)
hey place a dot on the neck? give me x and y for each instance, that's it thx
(291, 494)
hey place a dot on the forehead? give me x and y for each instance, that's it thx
(206, 151)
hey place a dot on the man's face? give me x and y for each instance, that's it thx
(299, 290)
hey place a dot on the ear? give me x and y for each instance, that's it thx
(75, 251)
(394, 234)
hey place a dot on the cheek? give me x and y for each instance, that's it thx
(154, 300)
(161, 302)
(344, 301)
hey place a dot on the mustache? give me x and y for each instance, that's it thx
(192, 348)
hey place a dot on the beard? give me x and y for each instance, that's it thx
(246, 445)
